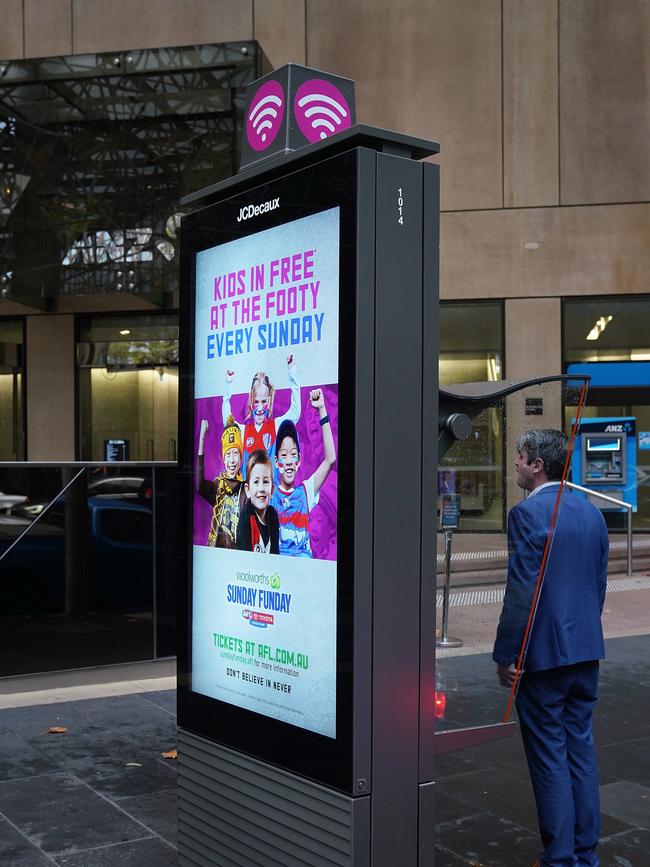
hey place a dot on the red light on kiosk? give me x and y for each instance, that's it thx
(439, 704)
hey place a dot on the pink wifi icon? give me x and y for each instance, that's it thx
(265, 115)
(320, 109)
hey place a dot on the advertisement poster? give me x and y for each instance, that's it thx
(266, 441)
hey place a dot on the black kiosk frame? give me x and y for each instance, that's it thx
(255, 789)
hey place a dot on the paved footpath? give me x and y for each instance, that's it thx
(100, 795)
(485, 809)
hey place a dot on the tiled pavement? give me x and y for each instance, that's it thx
(100, 795)
(485, 809)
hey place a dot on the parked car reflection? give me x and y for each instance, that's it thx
(119, 549)
(10, 501)
(138, 489)
(122, 487)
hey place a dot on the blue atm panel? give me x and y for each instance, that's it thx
(604, 459)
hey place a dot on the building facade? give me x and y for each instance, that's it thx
(541, 109)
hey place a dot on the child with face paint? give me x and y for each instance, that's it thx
(225, 493)
(292, 502)
(259, 427)
(258, 528)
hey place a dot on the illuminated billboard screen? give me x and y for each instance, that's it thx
(264, 547)
(268, 431)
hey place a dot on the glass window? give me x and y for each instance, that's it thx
(610, 338)
(607, 329)
(128, 387)
(78, 584)
(126, 527)
(97, 152)
(12, 432)
(471, 350)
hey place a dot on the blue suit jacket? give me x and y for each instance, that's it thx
(567, 626)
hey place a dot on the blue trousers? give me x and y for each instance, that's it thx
(555, 711)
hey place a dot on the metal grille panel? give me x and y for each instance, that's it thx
(234, 811)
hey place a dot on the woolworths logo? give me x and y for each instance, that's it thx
(274, 581)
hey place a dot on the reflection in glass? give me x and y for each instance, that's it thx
(474, 470)
(12, 435)
(471, 350)
(468, 693)
(606, 329)
(78, 587)
(98, 151)
(619, 362)
(128, 388)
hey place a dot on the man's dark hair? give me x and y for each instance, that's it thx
(550, 446)
(287, 429)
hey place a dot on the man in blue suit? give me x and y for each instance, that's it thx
(559, 686)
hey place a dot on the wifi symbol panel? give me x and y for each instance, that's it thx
(320, 110)
(265, 114)
(293, 107)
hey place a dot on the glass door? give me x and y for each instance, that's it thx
(128, 388)
(473, 568)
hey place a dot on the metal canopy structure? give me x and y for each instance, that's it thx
(459, 404)
(96, 152)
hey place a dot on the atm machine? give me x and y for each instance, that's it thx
(605, 461)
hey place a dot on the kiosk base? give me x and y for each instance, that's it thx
(235, 810)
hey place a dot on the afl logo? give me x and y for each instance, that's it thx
(266, 439)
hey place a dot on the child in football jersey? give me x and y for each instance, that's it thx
(224, 493)
(258, 529)
(259, 428)
(293, 503)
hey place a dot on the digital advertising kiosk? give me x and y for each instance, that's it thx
(309, 413)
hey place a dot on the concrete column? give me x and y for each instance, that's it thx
(279, 27)
(530, 103)
(50, 388)
(48, 27)
(604, 117)
(533, 348)
(430, 68)
(11, 29)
